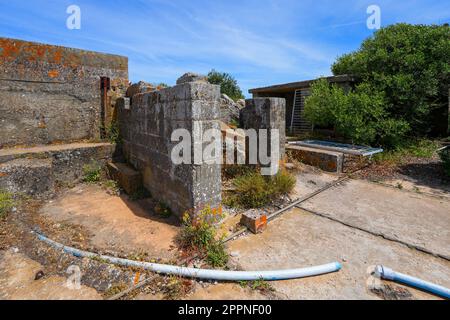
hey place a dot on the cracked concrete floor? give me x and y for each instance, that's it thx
(296, 239)
(299, 239)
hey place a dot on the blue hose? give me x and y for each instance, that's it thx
(389, 274)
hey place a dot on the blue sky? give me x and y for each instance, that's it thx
(260, 42)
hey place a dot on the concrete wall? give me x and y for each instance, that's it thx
(266, 113)
(146, 130)
(51, 93)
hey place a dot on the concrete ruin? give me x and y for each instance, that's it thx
(54, 94)
(53, 97)
(146, 130)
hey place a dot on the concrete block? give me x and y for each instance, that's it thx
(254, 220)
(326, 160)
(129, 179)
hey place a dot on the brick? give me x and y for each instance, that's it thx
(254, 220)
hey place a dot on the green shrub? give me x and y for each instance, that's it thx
(409, 65)
(358, 115)
(255, 191)
(228, 85)
(6, 203)
(200, 235)
(92, 172)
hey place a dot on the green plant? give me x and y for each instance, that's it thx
(163, 210)
(199, 234)
(358, 115)
(7, 202)
(228, 85)
(254, 190)
(113, 132)
(112, 186)
(409, 65)
(92, 172)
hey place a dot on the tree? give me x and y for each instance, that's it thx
(228, 85)
(409, 65)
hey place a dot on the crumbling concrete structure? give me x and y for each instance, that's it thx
(147, 128)
(266, 113)
(50, 98)
(51, 94)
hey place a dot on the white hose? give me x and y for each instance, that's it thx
(219, 275)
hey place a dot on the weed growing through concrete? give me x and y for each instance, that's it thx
(92, 172)
(260, 285)
(255, 191)
(6, 203)
(177, 287)
(198, 234)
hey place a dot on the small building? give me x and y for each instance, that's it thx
(295, 94)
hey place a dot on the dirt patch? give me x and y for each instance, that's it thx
(115, 223)
(421, 175)
(18, 281)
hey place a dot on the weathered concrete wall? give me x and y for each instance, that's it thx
(37, 171)
(266, 113)
(51, 93)
(146, 131)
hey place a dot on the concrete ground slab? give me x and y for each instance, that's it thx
(300, 239)
(412, 218)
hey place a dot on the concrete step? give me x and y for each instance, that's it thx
(129, 179)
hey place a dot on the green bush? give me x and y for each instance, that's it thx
(255, 191)
(199, 234)
(6, 203)
(92, 172)
(228, 85)
(358, 115)
(409, 66)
